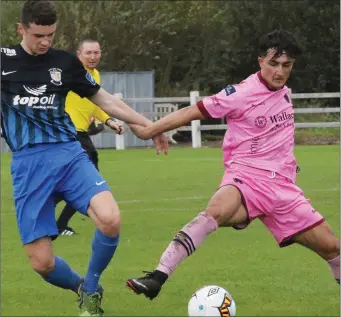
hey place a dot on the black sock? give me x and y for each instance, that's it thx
(161, 277)
(65, 216)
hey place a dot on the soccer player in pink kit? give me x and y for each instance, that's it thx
(260, 167)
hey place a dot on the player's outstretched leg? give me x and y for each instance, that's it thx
(105, 213)
(224, 209)
(322, 240)
(183, 245)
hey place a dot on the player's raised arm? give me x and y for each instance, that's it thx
(226, 103)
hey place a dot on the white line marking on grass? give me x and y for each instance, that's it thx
(171, 209)
(189, 159)
(322, 190)
(136, 201)
(160, 200)
(206, 197)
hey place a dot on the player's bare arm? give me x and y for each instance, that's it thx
(172, 121)
(115, 107)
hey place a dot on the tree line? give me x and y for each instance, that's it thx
(197, 45)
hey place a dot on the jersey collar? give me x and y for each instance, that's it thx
(264, 82)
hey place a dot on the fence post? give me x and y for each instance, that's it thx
(196, 133)
(120, 145)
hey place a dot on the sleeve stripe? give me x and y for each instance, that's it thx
(203, 110)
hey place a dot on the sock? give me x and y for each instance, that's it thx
(63, 276)
(185, 243)
(103, 249)
(65, 216)
(335, 267)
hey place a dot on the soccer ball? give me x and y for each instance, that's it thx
(212, 301)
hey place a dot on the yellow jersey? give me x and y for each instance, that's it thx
(81, 110)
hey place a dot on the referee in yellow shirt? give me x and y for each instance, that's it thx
(84, 113)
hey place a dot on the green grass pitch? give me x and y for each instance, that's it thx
(157, 196)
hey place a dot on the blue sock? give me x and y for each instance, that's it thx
(63, 276)
(103, 249)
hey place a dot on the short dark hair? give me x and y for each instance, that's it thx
(281, 41)
(86, 41)
(40, 12)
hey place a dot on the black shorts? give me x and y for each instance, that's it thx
(88, 146)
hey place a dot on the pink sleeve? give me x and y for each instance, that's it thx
(227, 103)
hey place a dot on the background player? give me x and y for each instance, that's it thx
(83, 114)
(47, 159)
(260, 167)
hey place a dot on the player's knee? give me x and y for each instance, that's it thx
(42, 265)
(105, 212)
(226, 217)
(111, 225)
(226, 207)
(217, 213)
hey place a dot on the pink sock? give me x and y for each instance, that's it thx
(186, 241)
(335, 267)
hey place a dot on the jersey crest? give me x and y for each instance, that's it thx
(56, 76)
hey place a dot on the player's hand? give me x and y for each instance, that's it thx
(144, 133)
(160, 140)
(161, 144)
(118, 128)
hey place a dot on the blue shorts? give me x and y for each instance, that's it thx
(41, 174)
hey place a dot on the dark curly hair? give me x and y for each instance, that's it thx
(40, 12)
(279, 40)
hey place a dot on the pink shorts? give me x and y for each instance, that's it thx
(274, 199)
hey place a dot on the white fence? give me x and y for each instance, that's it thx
(196, 126)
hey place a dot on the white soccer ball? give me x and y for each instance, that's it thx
(212, 301)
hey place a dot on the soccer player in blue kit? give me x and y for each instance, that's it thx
(47, 159)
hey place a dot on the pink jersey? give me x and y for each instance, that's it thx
(260, 125)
